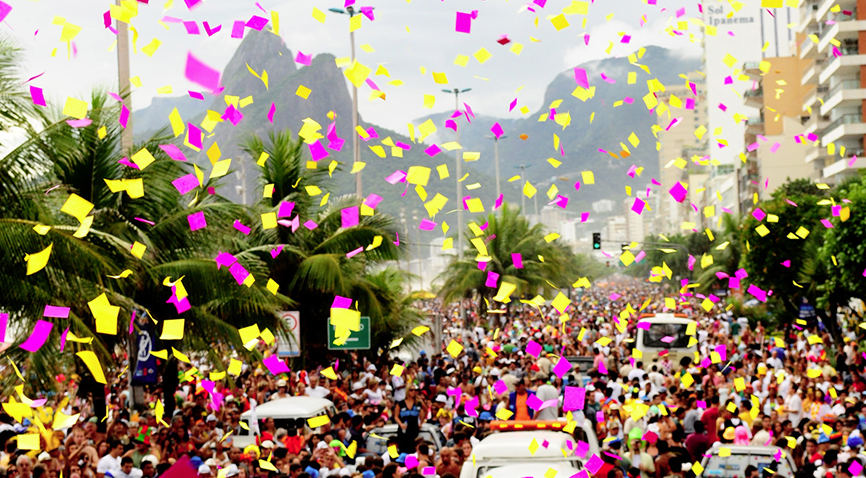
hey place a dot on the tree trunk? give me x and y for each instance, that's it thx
(169, 387)
(832, 322)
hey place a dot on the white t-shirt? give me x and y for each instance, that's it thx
(134, 473)
(108, 463)
(318, 392)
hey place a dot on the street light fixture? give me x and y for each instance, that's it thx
(456, 92)
(356, 144)
(522, 168)
(496, 159)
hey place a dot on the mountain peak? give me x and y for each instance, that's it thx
(261, 51)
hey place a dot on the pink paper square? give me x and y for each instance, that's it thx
(533, 348)
(678, 192)
(196, 221)
(562, 367)
(463, 23)
(317, 151)
(517, 260)
(350, 216)
(492, 278)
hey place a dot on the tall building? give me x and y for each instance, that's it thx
(678, 145)
(775, 148)
(830, 41)
(731, 38)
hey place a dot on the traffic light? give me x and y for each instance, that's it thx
(596, 240)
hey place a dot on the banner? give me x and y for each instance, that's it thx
(292, 346)
(145, 367)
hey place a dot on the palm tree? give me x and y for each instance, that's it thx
(312, 265)
(546, 265)
(15, 104)
(77, 160)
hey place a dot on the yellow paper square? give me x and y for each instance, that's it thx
(454, 349)
(75, 108)
(303, 91)
(172, 329)
(588, 177)
(269, 220)
(77, 207)
(142, 159)
(138, 249)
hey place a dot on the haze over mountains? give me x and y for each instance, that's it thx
(580, 140)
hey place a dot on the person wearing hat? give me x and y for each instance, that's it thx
(517, 402)
(546, 392)
(204, 471)
(141, 449)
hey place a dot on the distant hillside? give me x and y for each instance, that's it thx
(148, 120)
(581, 140)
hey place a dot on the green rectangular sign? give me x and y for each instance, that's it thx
(359, 340)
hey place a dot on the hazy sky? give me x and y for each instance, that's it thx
(406, 36)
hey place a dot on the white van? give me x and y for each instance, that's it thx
(650, 342)
(506, 454)
(742, 456)
(285, 412)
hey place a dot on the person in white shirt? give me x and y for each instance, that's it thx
(546, 392)
(110, 461)
(126, 470)
(637, 372)
(399, 388)
(316, 390)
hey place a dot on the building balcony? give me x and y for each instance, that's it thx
(843, 168)
(845, 29)
(847, 65)
(810, 76)
(846, 125)
(845, 93)
(824, 7)
(807, 15)
(815, 154)
(809, 49)
(815, 123)
(755, 125)
(754, 97)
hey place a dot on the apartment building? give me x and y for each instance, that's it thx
(832, 37)
(678, 145)
(776, 146)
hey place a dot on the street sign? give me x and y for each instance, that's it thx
(359, 340)
(292, 346)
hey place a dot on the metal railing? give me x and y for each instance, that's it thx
(851, 118)
(843, 85)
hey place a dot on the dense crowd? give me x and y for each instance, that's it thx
(795, 390)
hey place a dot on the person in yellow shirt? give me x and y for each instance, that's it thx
(745, 413)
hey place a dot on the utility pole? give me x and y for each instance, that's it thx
(123, 75)
(136, 394)
(522, 168)
(456, 92)
(496, 160)
(356, 141)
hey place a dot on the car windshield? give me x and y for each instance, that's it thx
(655, 335)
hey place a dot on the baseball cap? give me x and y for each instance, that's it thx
(232, 470)
(281, 383)
(204, 470)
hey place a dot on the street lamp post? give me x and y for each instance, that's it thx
(356, 143)
(456, 92)
(522, 168)
(496, 159)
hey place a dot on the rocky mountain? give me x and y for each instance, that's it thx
(581, 141)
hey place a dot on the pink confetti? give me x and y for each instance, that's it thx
(303, 59)
(581, 78)
(238, 29)
(827, 223)
(310, 225)
(317, 151)
(357, 251)
(433, 150)
(211, 31)
(38, 336)
(496, 130)
(427, 225)
(5, 8)
(257, 23)
(192, 28)
(56, 312)
(678, 192)
(463, 23)
(36, 95)
(201, 74)
(196, 221)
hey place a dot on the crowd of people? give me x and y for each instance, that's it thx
(796, 391)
